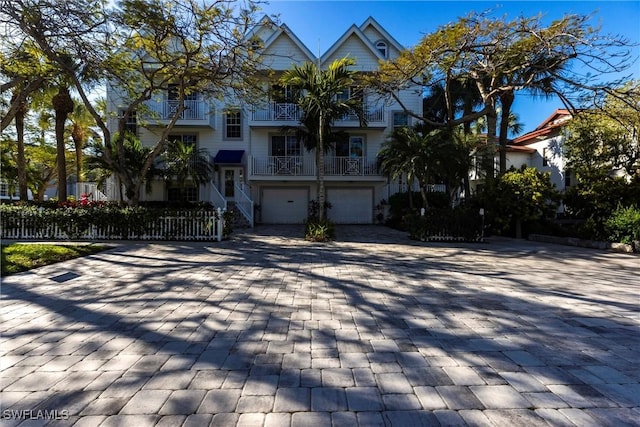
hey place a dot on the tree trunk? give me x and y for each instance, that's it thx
(506, 101)
(21, 160)
(492, 123)
(63, 105)
(321, 194)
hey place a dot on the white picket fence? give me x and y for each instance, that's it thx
(183, 225)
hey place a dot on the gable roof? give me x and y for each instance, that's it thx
(280, 30)
(352, 31)
(548, 128)
(359, 32)
(370, 22)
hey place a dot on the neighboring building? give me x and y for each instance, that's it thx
(541, 148)
(546, 140)
(255, 161)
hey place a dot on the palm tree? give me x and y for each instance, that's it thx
(183, 162)
(80, 129)
(63, 105)
(321, 105)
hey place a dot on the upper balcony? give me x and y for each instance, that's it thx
(196, 112)
(289, 114)
(304, 168)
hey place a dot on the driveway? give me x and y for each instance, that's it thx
(372, 329)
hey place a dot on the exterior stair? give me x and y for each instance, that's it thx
(239, 221)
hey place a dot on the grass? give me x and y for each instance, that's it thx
(19, 257)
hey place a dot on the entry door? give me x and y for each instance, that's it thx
(230, 177)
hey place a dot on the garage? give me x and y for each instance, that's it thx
(285, 205)
(350, 205)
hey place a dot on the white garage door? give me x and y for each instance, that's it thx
(350, 205)
(284, 205)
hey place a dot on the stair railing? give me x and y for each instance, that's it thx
(244, 204)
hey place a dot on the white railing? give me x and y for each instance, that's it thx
(182, 225)
(277, 111)
(372, 114)
(291, 112)
(350, 166)
(217, 199)
(402, 187)
(165, 109)
(283, 166)
(306, 166)
(90, 189)
(244, 204)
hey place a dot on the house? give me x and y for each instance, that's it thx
(546, 141)
(541, 148)
(261, 168)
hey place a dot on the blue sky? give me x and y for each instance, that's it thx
(319, 24)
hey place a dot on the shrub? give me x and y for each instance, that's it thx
(624, 224)
(449, 224)
(319, 231)
(399, 206)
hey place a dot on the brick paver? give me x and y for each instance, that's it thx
(372, 329)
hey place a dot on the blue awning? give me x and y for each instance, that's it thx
(229, 156)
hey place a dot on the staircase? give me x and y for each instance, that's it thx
(239, 221)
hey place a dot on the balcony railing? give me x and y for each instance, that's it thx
(277, 111)
(165, 109)
(300, 166)
(290, 112)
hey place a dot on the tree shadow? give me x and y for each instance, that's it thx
(334, 323)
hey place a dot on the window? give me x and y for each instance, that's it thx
(189, 139)
(400, 119)
(190, 194)
(284, 94)
(353, 148)
(382, 48)
(285, 146)
(173, 93)
(233, 124)
(567, 178)
(545, 162)
(353, 92)
(130, 121)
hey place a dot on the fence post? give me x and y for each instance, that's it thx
(219, 224)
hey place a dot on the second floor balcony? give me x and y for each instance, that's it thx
(304, 167)
(197, 112)
(289, 114)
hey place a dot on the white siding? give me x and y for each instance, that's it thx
(355, 48)
(283, 53)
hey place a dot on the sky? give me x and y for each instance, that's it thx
(318, 24)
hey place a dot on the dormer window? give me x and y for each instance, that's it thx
(382, 48)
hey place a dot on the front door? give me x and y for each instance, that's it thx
(230, 177)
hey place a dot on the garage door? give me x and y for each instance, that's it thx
(284, 205)
(350, 205)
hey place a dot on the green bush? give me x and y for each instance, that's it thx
(399, 206)
(624, 224)
(319, 231)
(109, 220)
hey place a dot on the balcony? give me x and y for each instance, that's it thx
(280, 112)
(305, 167)
(283, 113)
(196, 112)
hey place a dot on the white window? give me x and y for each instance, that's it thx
(353, 148)
(233, 124)
(382, 48)
(400, 119)
(285, 146)
(130, 122)
(188, 139)
(545, 159)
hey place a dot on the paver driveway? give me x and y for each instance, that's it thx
(372, 329)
